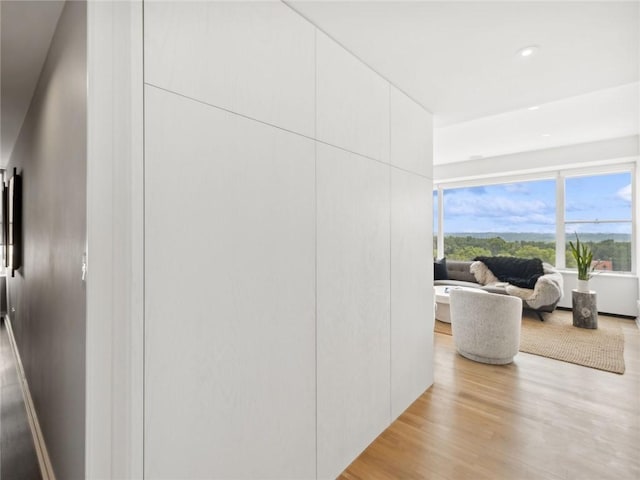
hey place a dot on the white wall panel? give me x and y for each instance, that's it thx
(617, 293)
(230, 295)
(241, 379)
(352, 102)
(254, 58)
(411, 288)
(411, 135)
(353, 305)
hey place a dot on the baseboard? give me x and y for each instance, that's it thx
(638, 317)
(46, 469)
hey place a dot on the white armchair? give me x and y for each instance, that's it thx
(486, 327)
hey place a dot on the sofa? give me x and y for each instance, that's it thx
(543, 297)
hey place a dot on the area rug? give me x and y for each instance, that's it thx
(557, 338)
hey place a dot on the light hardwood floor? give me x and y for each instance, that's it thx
(537, 418)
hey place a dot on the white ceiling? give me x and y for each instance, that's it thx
(458, 59)
(600, 115)
(26, 29)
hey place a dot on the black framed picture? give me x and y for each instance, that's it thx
(14, 223)
(5, 216)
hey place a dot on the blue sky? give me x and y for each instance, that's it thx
(531, 206)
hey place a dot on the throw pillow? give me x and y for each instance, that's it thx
(483, 275)
(440, 269)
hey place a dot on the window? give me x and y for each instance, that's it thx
(598, 209)
(519, 219)
(515, 219)
(435, 224)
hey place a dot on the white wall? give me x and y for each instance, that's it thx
(288, 299)
(46, 297)
(637, 232)
(115, 223)
(572, 156)
(616, 293)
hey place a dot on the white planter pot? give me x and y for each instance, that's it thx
(583, 286)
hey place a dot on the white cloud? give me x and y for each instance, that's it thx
(516, 188)
(493, 206)
(625, 193)
(475, 210)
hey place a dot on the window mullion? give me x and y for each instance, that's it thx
(560, 223)
(440, 222)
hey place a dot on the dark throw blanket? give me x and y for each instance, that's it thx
(521, 272)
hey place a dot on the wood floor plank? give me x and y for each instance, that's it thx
(537, 418)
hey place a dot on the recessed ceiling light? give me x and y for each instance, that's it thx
(546, 134)
(535, 107)
(528, 51)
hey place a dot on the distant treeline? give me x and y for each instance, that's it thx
(469, 247)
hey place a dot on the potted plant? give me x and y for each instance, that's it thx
(584, 258)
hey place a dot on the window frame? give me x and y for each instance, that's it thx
(560, 176)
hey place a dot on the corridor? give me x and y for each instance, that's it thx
(18, 458)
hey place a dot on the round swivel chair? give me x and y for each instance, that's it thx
(486, 327)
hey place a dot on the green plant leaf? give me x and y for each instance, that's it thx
(583, 257)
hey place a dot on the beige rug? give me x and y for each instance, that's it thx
(557, 338)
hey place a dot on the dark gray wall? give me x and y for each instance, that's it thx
(47, 303)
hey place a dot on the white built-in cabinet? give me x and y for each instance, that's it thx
(352, 102)
(411, 148)
(288, 240)
(230, 295)
(353, 328)
(252, 58)
(411, 288)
